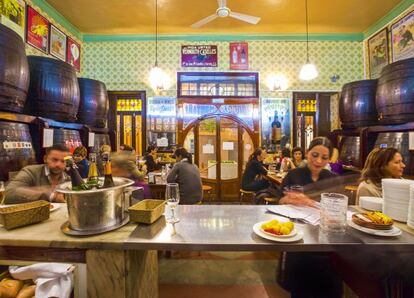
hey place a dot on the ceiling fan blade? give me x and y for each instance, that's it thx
(244, 17)
(204, 21)
(221, 3)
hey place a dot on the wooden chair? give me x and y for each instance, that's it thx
(247, 193)
(207, 193)
(271, 201)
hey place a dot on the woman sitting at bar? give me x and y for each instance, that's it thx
(309, 274)
(254, 175)
(151, 159)
(286, 162)
(380, 163)
(298, 158)
(187, 175)
(79, 155)
(123, 165)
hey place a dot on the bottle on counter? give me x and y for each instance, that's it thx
(72, 170)
(93, 178)
(108, 180)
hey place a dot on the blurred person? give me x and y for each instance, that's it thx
(254, 176)
(123, 165)
(151, 159)
(380, 164)
(286, 162)
(37, 182)
(187, 175)
(126, 148)
(79, 156)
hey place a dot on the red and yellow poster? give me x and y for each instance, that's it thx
(239, 55)
(73, 54)
(37, 30)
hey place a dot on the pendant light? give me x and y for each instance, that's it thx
(308, 71)
(159, 80)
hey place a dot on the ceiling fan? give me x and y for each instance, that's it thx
(222, 12)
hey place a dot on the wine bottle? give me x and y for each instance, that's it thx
(72, 170)
(108, 181)
(93, 171)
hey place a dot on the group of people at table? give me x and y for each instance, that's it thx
(35, 182)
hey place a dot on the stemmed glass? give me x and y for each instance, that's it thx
(172, 197)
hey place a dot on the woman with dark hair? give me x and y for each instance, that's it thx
(310, 274)
(151, 160)
(298, 160)
(380, 163)
(187, 175)
(254, 175)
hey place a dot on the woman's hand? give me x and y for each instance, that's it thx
(298, 199)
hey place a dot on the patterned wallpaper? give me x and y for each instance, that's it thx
(126, 65)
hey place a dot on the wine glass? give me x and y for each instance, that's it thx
(172, 197)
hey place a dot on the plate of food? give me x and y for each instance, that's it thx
(393, 232)
(277, 231)
(373, 220)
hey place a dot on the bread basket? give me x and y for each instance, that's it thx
(19, 215)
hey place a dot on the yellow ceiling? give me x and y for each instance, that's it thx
(176, 16)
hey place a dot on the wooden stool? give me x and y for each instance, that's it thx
(352, 189)
(248, 193)
(207, 192)
(271, 201)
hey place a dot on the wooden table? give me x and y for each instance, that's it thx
(275, 179)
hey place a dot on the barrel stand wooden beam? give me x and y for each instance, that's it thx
(110, 273)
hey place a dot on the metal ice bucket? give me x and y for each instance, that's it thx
(100, 209)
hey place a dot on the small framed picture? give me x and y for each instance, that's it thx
(37, 30)
(57, 43)
(73, 54)
(402, 38)
(378, 53)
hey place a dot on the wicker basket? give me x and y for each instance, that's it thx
(24, 214)
(146, 211)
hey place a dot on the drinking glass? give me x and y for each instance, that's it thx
(333, 209)
(172, 197)
(2, 189)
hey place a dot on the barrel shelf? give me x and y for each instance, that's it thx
(16, 117)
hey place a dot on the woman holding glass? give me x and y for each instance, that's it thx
(187, 175)
(309, 274)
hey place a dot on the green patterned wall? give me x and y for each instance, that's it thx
(125, 65)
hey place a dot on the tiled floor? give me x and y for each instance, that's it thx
(219, 275)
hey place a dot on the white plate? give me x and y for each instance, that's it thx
(385, 233)
(55, 206)
(258, 231)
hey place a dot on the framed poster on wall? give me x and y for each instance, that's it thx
(57, 45)
(402, 39)
(239, 53)
(378, 53)
(73, 53)
(37, 30)
(199, 56)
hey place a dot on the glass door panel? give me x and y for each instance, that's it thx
(138, 135)
(248, 148)
(207, 145)
(189, 142)
(127, 130)
(229, 149)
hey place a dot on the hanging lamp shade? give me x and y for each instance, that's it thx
(308, 71)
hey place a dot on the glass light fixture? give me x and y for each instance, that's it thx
(308, 71)
(158, 79)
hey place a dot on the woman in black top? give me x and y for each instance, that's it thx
(310, 274)
(151, 159)
(254, 175)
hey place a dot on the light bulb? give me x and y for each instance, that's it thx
(159, 80)
(308, 72)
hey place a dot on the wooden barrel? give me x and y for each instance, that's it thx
(14, 71)
(68, 137)
(349, 152)
(395, 92)
(16, 149)
(94, 103)
(54, 89)
(357, 104)
(398, 140)
(101, 139)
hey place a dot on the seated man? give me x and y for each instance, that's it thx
(37, 182)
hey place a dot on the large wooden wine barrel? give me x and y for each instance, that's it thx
(54, 89)
(357, 104)
(395, 92)
(14, 71)
(68, 137)
(101, 139)
(398, 140)
(94, 103)
(349, 152)
(16, 149)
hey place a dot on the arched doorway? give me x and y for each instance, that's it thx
(221, 145)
